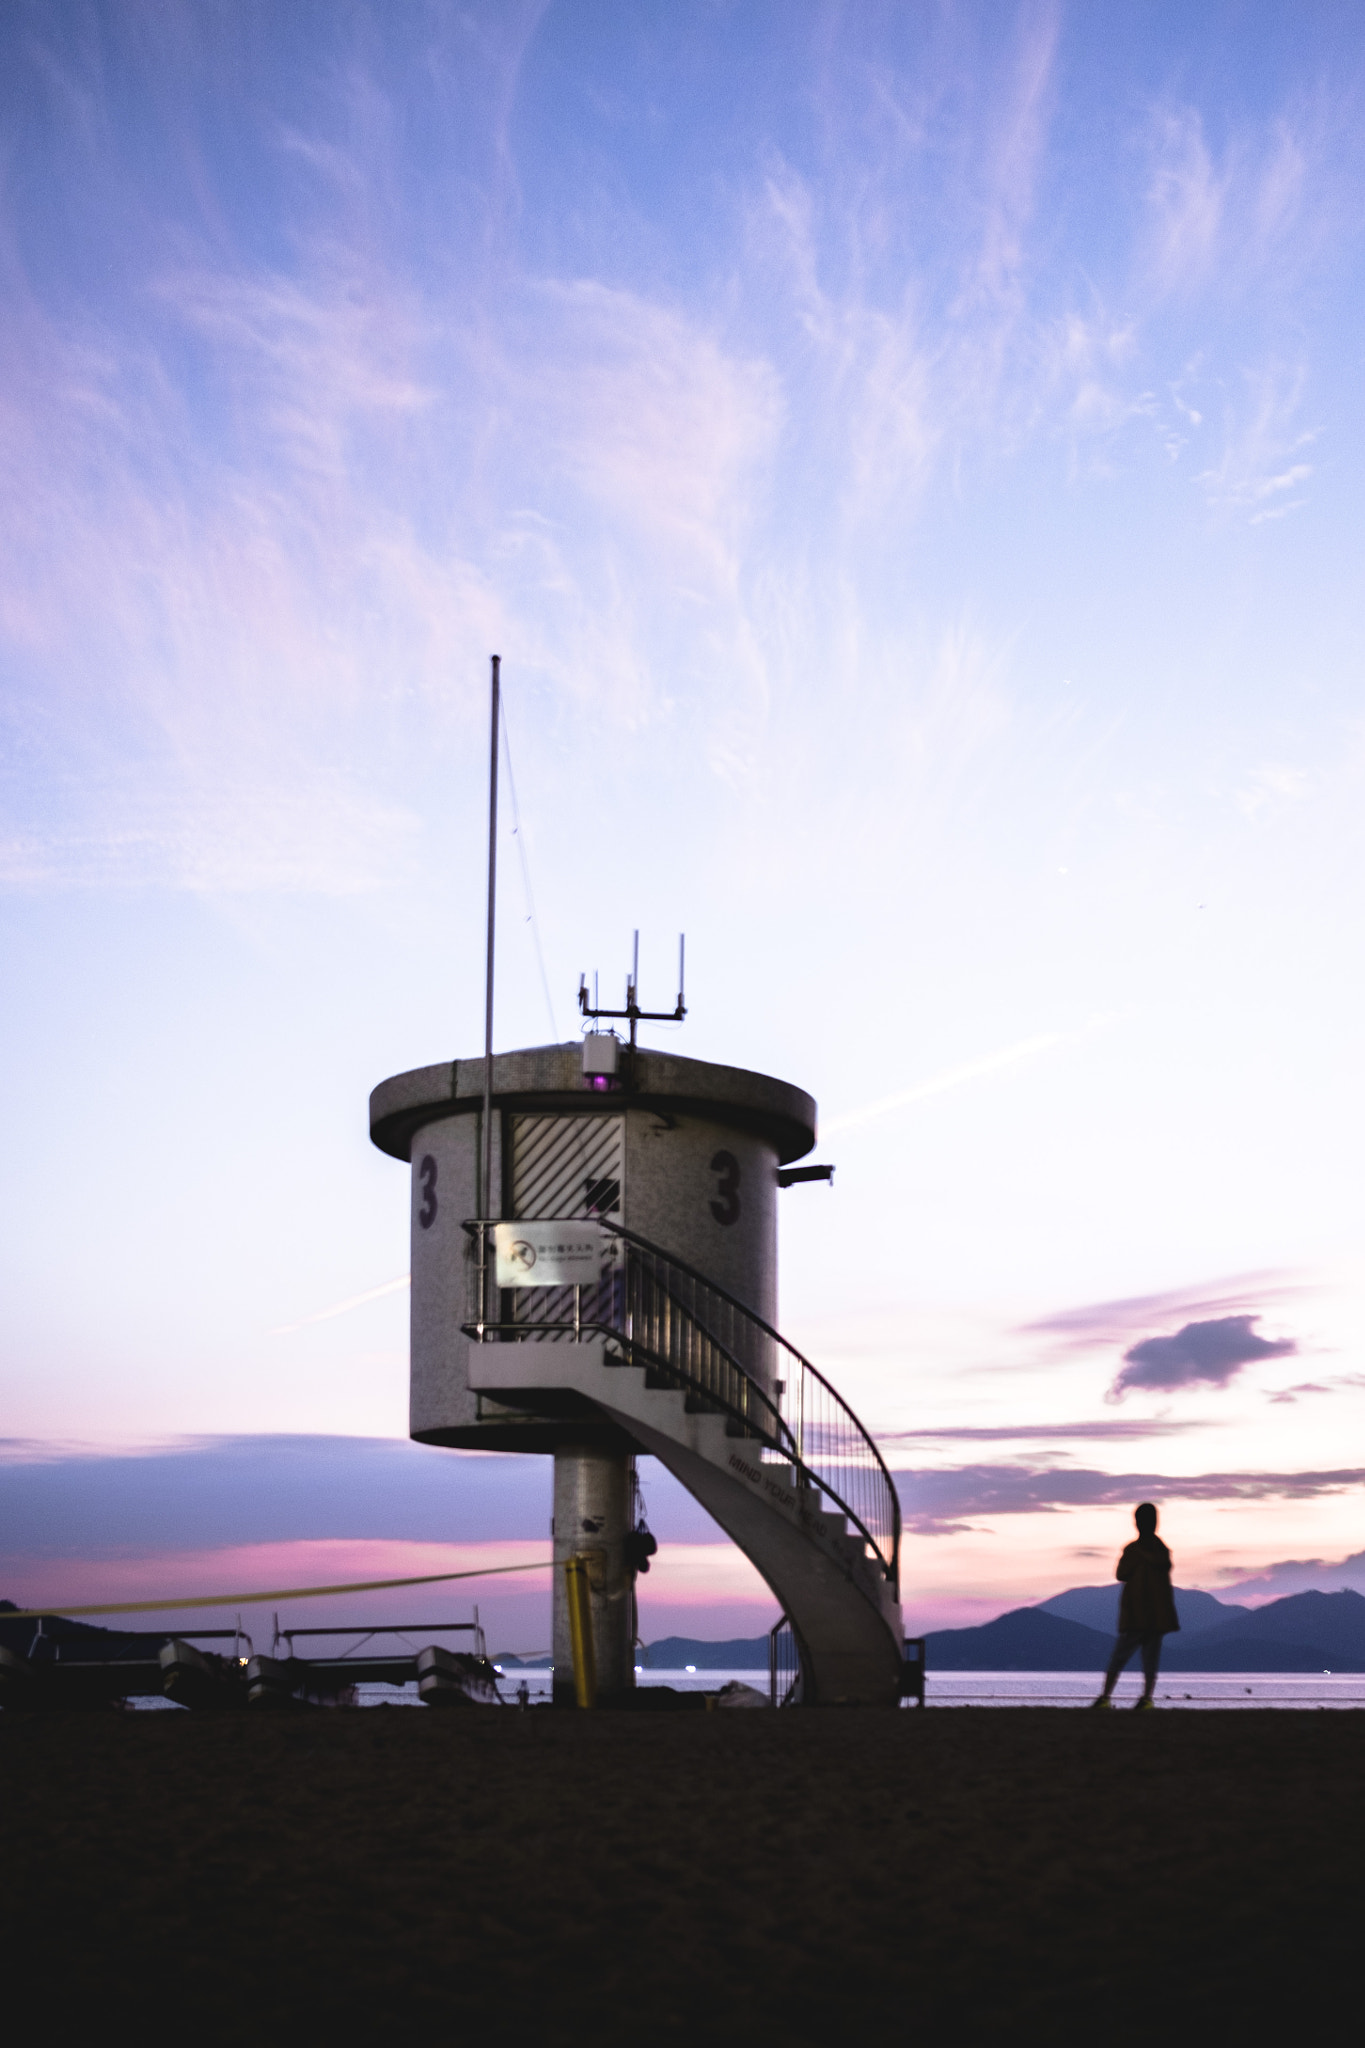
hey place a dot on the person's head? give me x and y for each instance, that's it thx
(1145, 1517)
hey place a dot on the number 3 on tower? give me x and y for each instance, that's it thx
(725, 1208)
(426, 1173)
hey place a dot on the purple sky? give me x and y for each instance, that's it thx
(904, 458)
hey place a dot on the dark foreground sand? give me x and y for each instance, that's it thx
(952, 1876)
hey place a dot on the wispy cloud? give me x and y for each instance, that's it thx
(1047, 1432)
(656, 420)
(1262, 470)
(1256, 205)
(1186, 199)
(199, 636)
(260, 504)
(314, 358)
(1296, 1575)
(940, 1084)
(1334, 1384)
(341, 1308)
(942, 1503)
(1017, 150)
(1273, 784)
(1105, 1325)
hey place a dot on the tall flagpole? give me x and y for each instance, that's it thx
(486, 1204)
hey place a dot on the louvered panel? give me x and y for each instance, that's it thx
(565, 1166)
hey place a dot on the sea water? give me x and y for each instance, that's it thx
(1192, 1689)
(1302, 1690)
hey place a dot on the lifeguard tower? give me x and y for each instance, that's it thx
(594, 1275)
(622, 1298)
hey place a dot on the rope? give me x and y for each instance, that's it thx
(57, 1612)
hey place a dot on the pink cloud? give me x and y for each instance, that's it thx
(706, 1589)
(1096, 1326)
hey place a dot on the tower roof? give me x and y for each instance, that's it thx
(550, 1077)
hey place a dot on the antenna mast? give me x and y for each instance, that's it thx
(632, 1009)
(486, 1191)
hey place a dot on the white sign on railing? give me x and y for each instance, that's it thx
(554, 1254)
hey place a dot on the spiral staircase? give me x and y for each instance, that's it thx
(747, 1425)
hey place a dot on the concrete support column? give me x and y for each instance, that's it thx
(592, 1516)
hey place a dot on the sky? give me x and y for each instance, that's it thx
(907, 459)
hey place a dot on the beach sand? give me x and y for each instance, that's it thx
(961, 1876)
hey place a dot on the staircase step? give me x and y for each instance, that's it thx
(787, 1475)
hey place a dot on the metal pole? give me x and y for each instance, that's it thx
(486, 1202)
(633, 991)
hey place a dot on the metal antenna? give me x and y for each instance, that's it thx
(486, 1200)
(632, 1010)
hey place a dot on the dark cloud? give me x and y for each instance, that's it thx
(941, 1503)
(1044, 1432)
(215, 1492)
(1201, 1354)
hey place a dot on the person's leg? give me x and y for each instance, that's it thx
(1124, 1647)
(1151, 1664)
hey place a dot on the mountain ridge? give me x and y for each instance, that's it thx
(1309, 1632)
(1305, 1632)
(1098, 1607)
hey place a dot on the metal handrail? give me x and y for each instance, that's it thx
(685, 1325)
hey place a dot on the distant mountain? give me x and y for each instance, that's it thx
(675, 1653)
(1305, 1632)
(1029, 1639)
(739, 1653)
(1098, 1607)
(81, 1641)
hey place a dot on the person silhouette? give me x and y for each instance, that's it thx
(1146, 1607)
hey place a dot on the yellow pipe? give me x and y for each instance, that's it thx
(580, 1631)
